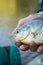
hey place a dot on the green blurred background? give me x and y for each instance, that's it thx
(10, 12)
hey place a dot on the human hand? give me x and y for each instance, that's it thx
(32, 45)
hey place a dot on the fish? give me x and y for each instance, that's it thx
(31, 31)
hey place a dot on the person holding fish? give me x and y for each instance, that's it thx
(32, 45)
(30, 37)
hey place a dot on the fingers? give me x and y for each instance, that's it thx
(24, 47)
(33, 46)
(40, 48)
(18, 43)
(21, 46)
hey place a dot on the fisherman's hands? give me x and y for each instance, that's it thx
(32, 46)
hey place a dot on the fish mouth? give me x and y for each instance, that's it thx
(11, 36)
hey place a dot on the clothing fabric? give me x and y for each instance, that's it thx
(11, 57)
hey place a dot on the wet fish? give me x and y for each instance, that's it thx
(31, 31)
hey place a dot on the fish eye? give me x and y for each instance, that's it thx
(17, 31)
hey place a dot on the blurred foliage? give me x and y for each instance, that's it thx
(17, 7)
(13, 10)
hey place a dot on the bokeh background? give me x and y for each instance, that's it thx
(10, 12)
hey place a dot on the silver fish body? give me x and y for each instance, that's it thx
(31, 31)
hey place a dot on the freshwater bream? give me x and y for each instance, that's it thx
(31, 31)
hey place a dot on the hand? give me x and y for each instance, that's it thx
(32, 46)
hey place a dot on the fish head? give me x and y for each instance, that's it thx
(20, 33)
(16, 35)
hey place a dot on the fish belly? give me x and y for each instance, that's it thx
(37, 38)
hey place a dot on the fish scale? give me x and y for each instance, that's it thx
(31, 31)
